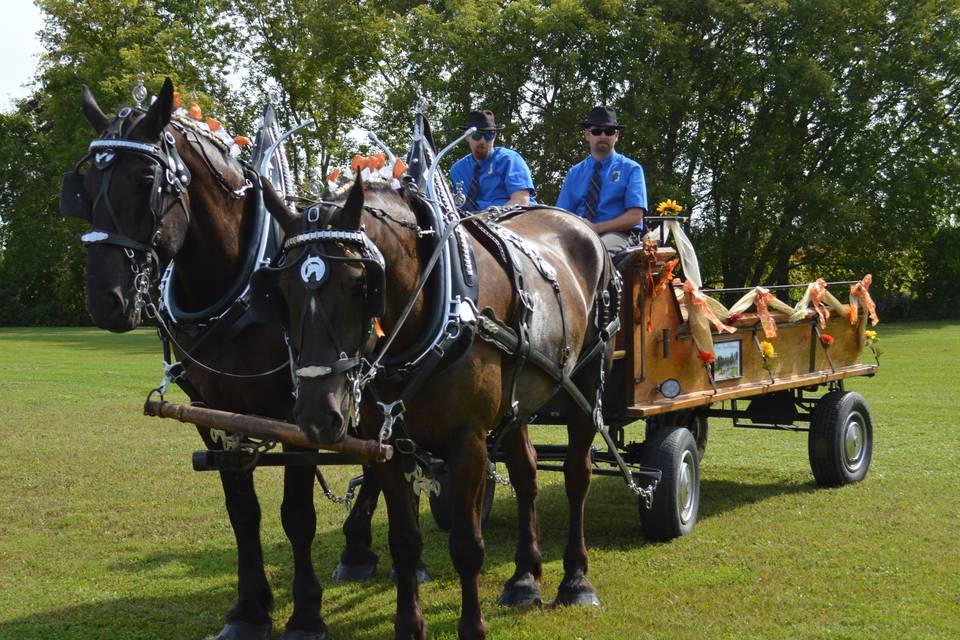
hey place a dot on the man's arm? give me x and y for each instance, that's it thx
(626, 221)
(521, 197)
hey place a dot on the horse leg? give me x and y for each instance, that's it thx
(250, 617)
(575, 587)
(357, 561)
(468, 472)
(406, 546)
(524, 587)
(299, 518)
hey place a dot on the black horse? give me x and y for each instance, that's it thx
(159, 188)
(353, 264)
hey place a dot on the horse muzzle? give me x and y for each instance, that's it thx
(319, 417)
(112, 310)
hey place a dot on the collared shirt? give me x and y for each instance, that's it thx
(622, 187)
(502, 173)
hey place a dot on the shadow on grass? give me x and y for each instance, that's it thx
(364, 610)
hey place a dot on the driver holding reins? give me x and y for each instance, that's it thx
(490, 176)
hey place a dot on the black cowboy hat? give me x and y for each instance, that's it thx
(483, 121)
(601, 116)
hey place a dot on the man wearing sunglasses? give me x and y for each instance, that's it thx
(607, 189)
(490, 176)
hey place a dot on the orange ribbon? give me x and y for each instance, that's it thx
(694, 296)
(817, 294)
(861, 291)
(666, 277)
(766, 320)
(334, 175)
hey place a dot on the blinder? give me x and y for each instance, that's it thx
(74, 201)
(266, 301)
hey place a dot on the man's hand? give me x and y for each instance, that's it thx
(521, 197)
(624, 222)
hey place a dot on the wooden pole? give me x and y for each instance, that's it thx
(266, 428)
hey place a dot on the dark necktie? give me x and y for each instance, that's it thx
(471, 202)
(593, 193)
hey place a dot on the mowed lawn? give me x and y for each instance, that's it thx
(106, 532)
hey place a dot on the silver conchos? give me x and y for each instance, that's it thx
(313, 271)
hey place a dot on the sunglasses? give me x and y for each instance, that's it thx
(486, 135)
(605, 131)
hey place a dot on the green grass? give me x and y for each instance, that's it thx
(106, 532)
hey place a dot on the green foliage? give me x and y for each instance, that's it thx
(808, 139)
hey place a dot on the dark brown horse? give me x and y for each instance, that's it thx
(158, 189)
(337, 260)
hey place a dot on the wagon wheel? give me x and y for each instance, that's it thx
(694, 421)
(840, 442)
(441, 508)
(676, 501)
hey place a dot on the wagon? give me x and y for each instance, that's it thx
(679, 362)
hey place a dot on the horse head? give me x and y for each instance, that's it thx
(134, 196)
(327, 290)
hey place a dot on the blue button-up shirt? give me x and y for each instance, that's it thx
(502, 173)
(622, 187)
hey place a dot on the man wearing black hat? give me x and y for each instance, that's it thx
(490, 176)
(607, 189)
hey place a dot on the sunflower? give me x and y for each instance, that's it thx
(669, 206)
(768, 350)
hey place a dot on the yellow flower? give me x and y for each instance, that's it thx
(870, 335)
(768, 350)
(669, 206)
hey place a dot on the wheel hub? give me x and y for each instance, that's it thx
(854, 441)
(686, 487)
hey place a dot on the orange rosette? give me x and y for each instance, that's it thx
(334, 175)
(399, 168)
(214, 124)
(195, 111)
(177, 100)
(358, 164)
(241, 140)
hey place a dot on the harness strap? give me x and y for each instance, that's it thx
(503, 337)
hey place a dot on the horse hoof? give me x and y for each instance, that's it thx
(354, 572)
(522, 593)
(422, 575)
(240, 630)
(571, 597)
(301, 634)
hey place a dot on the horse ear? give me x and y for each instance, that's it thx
(353, 207)
(92, 110)
(158, 116)
(278, 208)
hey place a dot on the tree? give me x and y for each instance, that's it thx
(106, 45)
